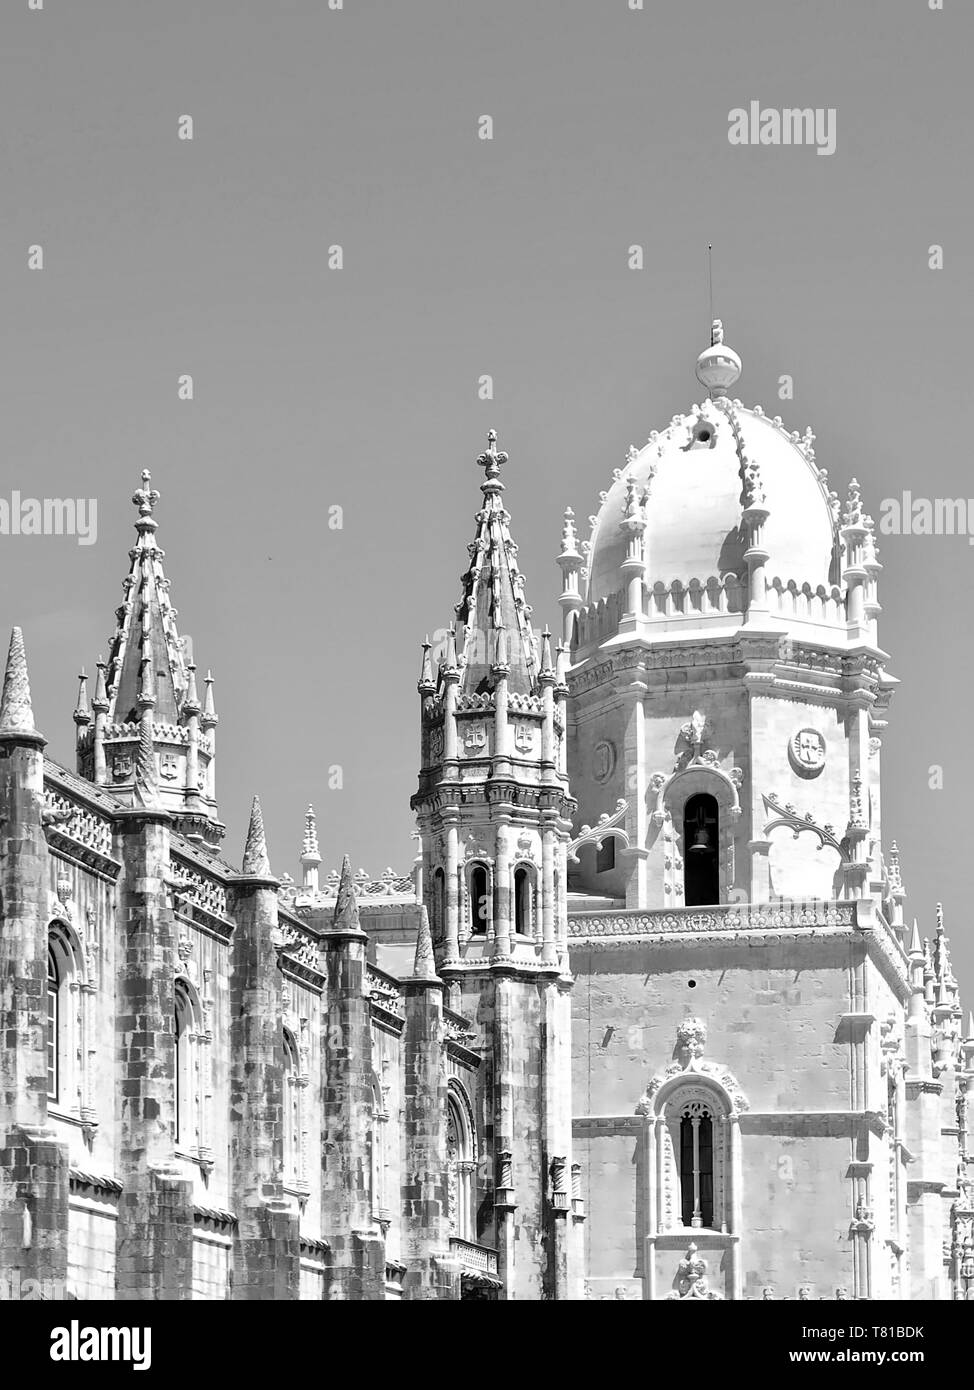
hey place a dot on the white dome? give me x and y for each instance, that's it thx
(693, 474)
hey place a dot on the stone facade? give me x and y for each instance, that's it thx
(646, 1019)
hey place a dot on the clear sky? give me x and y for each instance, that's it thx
(463, 257)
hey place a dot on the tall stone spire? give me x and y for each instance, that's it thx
(493, 594)
(149, 676)
(16, 711)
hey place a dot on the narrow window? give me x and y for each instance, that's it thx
(439, 904)
(478, 901)
(53, 1024)
(184, 1080)
(292, 1111)
(697, 1168)
(701, 878)
(522, 901)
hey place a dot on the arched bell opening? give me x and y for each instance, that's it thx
(701, 851)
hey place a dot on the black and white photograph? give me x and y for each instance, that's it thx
(486, 575)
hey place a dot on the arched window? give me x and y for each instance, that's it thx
(186, 1127)
(380, 1121)
(701, 871)
(479, 902)
(66, 1052)
(461, 1166)
(292, 1111)
(523, 901)
(53, 1025)
(697, 1164)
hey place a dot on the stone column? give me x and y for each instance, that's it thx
(357, 1270)
(431, 1274)
(266, 1256)
(33, 1164)
(154, 1233)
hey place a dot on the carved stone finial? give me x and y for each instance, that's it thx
(310, 847)
(492, 460)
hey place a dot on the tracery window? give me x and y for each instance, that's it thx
(66, 1037)
(697, 1164)
(461, 1166)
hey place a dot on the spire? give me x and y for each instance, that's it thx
(256, 863)
(210, 716)
(718, 367)
(493, 592)
(547, 664)
(146, 627)
(16, 711)
(346, 904)
(916, 945)
(82, 713)
(427, 684)
(99, 701)
(424, 966)
(191, 702)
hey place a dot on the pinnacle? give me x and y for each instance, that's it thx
(16, 712)
(346, 905)
(424, 967)
(256, 863)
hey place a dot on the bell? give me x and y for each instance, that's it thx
(701, 841)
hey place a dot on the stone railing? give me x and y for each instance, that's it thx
(79, 822)
(735, 917)
(458, 1029)
(388, 887)
(384, 990)
(470, 1256)
(206, 893)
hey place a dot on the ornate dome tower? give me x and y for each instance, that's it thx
(725, 664)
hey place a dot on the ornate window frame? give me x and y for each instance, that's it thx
(461, 1163)
(189, 1033)
(73, 1023)
(672, 794)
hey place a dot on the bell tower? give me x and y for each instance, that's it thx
(494, 815)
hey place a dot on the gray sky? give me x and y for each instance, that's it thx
(462, 257)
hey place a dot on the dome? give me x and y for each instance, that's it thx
(692, 481)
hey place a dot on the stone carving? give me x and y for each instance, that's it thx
(692, 1279)
(475, 738)
(605, 827)
(787, 815)
(169, 766)
(122, 767)
(691, 1040)
(806, 752)
(603, 760)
